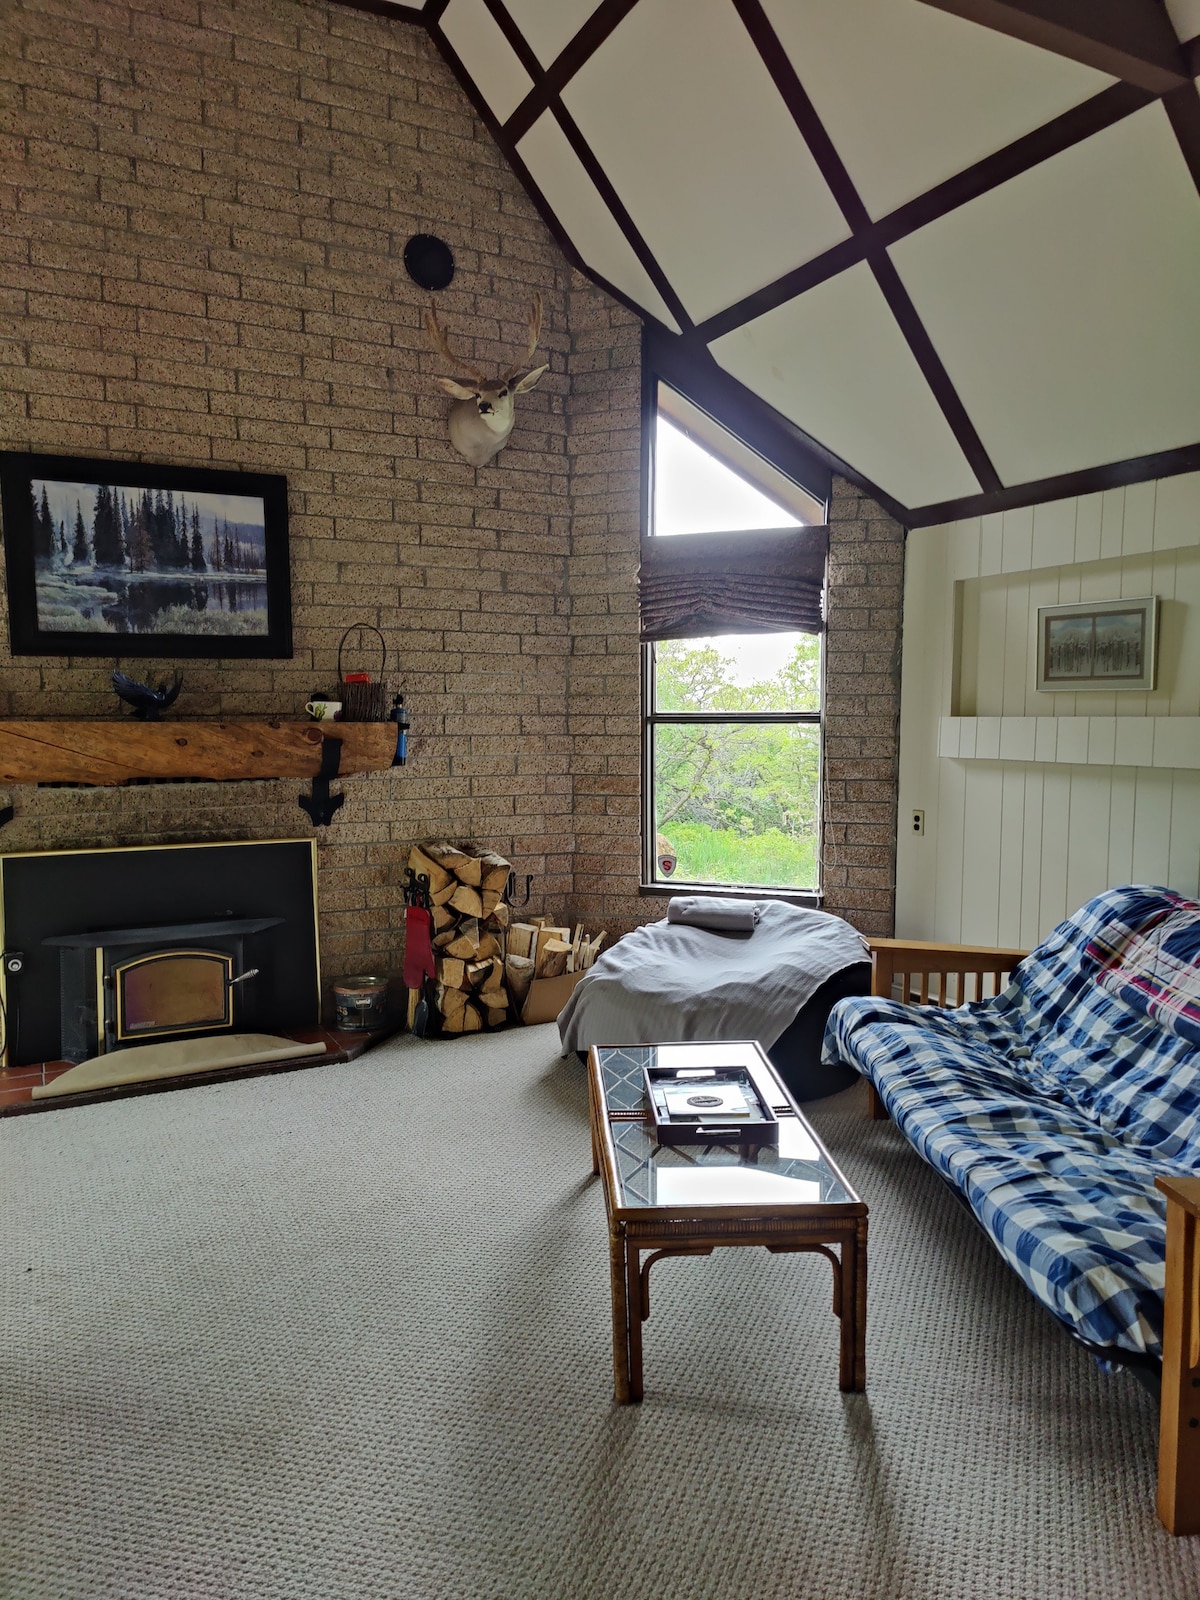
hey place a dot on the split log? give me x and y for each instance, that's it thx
(468, 1020)
(497, 918)
(442, 895)
(451, 971)
(438, 876)
(518, 970)
(552, 962)
(465, 943)
(488, 945)
(496, 872)
(493, 999)
(449, 1001)
(466, 867)
(478, 973)
(521, 938)
(443, 919)
(467, 902)
(546, 933)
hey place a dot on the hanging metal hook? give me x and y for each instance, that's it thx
(511, 889)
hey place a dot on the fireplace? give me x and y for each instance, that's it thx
(106, 950)
(123, 986)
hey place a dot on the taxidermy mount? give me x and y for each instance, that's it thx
(482, 418)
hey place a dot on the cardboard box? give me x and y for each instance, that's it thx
(547, 997)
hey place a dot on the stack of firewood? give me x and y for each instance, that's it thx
(538, 949)
(468, 889)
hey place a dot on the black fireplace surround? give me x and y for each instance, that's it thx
(103, 949)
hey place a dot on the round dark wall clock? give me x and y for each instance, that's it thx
(429, 261)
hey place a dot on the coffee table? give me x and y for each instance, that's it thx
(686, 1200)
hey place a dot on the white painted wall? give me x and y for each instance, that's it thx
(1011, 847)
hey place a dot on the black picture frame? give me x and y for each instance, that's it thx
(64, 602)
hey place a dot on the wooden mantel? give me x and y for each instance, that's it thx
(124, 751)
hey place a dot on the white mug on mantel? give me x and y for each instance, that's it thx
(324, 710)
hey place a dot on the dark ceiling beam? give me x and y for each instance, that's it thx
(932, 370)
(1129, 39)
(1183, 110)
(1064, 486)
(833, 170)
(525, 178)
(621, 216)
(595, 171)
(1101, 111)
(548, 85)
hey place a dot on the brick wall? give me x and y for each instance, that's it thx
(205, 211)
(862, 710)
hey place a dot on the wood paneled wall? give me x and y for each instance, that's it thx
(1011, 847)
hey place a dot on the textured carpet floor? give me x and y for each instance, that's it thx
(345, 1334)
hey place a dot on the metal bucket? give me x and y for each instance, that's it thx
(360, 1002)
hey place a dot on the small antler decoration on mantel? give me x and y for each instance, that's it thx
(482, 418)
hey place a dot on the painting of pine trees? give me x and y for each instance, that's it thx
(144, 561)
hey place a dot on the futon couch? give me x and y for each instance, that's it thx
(1064, 1110)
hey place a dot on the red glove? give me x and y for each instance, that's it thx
(418, 947)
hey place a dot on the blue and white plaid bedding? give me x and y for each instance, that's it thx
(1053, 1106)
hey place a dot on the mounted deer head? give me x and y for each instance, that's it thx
(482, 419)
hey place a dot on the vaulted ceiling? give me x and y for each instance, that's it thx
(952, 245)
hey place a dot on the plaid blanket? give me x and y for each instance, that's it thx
(1053, 1106)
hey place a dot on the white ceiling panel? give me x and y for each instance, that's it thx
(548, 26)
(476, 39)
(835, 362)
(1065, 307)
(1185, 15)
(572, 196)
(685, 121)
(911, 95)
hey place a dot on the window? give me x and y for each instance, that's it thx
(732, 751)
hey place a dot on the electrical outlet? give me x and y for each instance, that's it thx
(918, 822)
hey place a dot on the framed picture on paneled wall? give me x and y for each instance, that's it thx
(115, 558)
(1097, 644)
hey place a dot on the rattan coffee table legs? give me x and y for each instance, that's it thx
(617, 1267)
(629, 1277)
(852, 1308)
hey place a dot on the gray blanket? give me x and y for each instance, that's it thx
(669, 981)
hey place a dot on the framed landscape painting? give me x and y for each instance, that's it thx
(1097, 644)
(111, 558)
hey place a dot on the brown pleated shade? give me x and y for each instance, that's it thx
(695, 584)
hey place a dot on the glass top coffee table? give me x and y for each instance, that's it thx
(686, 1200)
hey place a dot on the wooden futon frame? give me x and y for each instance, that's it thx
(944, 974)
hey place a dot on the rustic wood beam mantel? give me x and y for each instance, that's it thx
(107, 753)
(1130, 39)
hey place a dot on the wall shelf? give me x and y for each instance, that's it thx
(128, 751)
(1165, 742)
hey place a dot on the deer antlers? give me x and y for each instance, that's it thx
(477, 379)
(443, 349)
(535, 333)
(482, 418)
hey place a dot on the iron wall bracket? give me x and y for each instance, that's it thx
(321, 805)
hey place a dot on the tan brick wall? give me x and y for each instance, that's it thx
(205, 211)
(862, 710)
(205, 208)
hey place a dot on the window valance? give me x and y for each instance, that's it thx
(696, 584)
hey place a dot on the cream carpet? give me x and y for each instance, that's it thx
(345, 1334)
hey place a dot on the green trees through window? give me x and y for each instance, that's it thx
(732, 770)
(737, 802)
